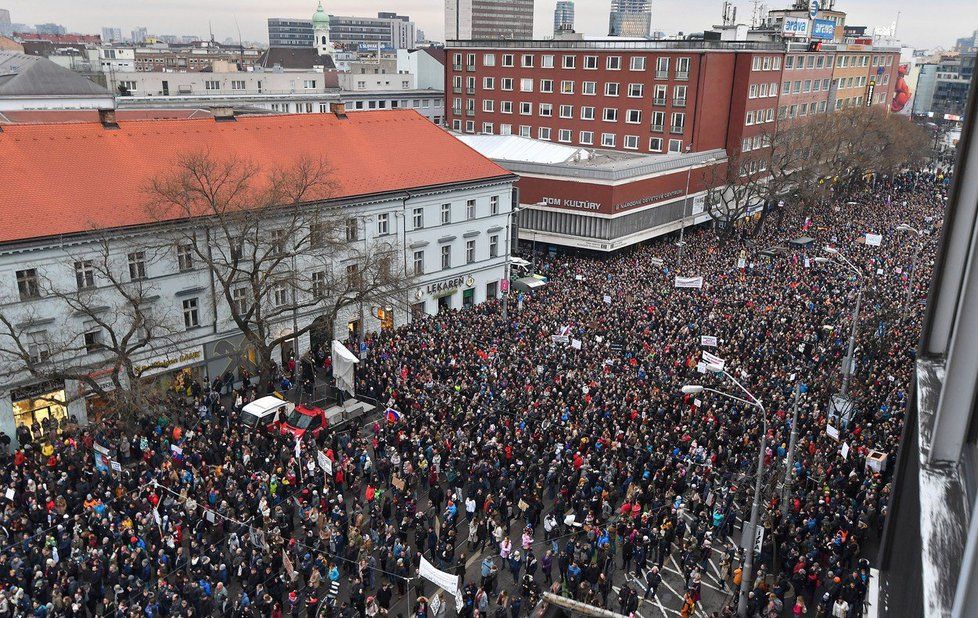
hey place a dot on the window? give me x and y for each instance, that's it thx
(526, 84)
(469, 251)
(750, 118)
(543, 133)
(185, 257)
(446, 214)
(564, 135)
(756, 64)
(488, 83)
(633, 116)
(786, 87)
(659, 98)
(587, 113)
(487, 128)
(608, 140)
(353, 279)
(212, 84)
(770, 115)
(752, 92)
(494, 205)
(613, 63)
(678, 122)
(637, 63)
(658, 121)
(546, 85)
(636, 91)
(655, 144)
(277, 242)
(525, 130)
(789, 62)
(682, 68)
(352, 230)
(566, 111)
(308, 84)
(383, 224)
(570, 62)
(488, 60)
(589, 88)
(546, 110)
(488, 105)
(418, 216)
(567, 86)
(507, 60)
(446, 257)
(675, 145)
(137, 265)
(93, 341)
(38, 350)
(591, 63)
(494, 246)
(807, 87)
(239, 301)
(506, 83)
(609, 114)
(191, 317)
(319, 284)
(506, 107)
(631, 142)
(586, 138)
(238, 84)
(419, 262)
(611, 89)
(767, 63)
(527, 61)
(526, 108)
(777, 64)
(662, 67)
(679, 96)
(546, 62)
(84, 274)
(470, 209)
(773, 90)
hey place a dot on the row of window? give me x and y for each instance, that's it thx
(569, 61)
(760, 116)
(766, 63)
(569, 86)
(585, 138)
(799, 110)
(755, 143)
(761, 91)
(445, 254)
(808, 62)
(608, 114)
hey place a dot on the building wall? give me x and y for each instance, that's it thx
(712, 106)
(236, 82)
(806, 80)
(751, 118)
(284, 32)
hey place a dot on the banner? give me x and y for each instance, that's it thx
(343, 362)
(713, 360)
(445, 581)
(325, 463)
(873, 240)
(708, 341)
(576, 344)
(689, 282)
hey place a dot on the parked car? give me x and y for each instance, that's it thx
(304, 419)
(267, 412)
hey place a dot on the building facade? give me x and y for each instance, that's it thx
(652, 96)
(564, 16)
(488, 19)
(287, 32)
(441, 209)
(630, 18)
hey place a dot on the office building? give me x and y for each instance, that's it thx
(6, 28)
(487, 20)
(286, 32)
(50, 28)
(630, 18)
(111, 35)
(564, 16)
(387, 30)
(139, 35)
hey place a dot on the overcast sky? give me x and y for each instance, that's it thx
(923, 24)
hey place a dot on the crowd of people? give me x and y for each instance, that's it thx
(553, 450)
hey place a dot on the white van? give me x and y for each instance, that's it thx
(266, 412)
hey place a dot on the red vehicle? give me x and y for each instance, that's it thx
(304, 419)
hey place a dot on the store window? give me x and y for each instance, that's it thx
(39, 410)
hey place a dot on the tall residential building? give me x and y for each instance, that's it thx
(488, 20)
(564, 16)
(288, 32)
(139, 34)
(6, 28)
(630, 18)
(111, 35)
(50, 28)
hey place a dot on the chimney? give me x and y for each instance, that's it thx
(223, 114)
(107, 118)
(339, 109)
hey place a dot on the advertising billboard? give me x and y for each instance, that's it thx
(823, 29)
(795, 27)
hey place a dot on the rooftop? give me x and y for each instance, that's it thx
(71, 178)
(26, 76)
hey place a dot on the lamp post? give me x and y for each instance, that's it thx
(903, 227)
(509, 250)
(750, 531)
(848, 361)
(682, 224)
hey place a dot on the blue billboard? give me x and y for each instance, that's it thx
(823, 29)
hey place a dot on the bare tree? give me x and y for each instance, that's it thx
(92, 331)
(733, 189)
(274, 245)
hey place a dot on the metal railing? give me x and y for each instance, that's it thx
(657, 128)
(679, 102)
(659, 101)
(662, 74)
(682, 75)
(676, 130)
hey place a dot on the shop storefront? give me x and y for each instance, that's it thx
(174, 372)
(232, 356)
(39, 409)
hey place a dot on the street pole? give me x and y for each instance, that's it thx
(847, 370)
(913, 272)
(682, 225)
(750, 532)
(509, 251)
(786, 486)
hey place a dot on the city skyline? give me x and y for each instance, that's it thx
(919, 25)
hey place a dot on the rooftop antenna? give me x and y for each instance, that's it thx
(896, 24)
(211, 29)
(755, 18)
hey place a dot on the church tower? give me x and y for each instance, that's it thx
(320, 25)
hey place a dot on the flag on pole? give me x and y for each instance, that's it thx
(298, 446)
(393, 415)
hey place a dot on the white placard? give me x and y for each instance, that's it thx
(10, 493)
(710, 359)
(689, 282)
(325, 463)
(210, 516)
(845, 450)
(741, 263)
(701, 367)
(607, 299)
(873, 240)
(115, 465)
(560, 339)
(697, 402)
(578, 278)
(832, 432)
(576, 344)
(177, 450)
(708, 340)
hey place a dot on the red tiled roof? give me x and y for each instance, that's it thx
(67, 178)
(47, 116)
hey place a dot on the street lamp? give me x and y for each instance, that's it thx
(509, 251)
(903, 227)
(750, 531)
(682, 225)
(847, 368)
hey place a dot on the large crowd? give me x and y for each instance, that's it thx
(550, 451)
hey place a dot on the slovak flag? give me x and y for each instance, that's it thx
(393, 415)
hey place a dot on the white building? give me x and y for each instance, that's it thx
(442, 205)
(426, 64)
(36, 83)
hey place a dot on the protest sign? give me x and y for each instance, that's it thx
(708, 340)
(689, 282)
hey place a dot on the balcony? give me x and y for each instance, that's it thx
(662, 74)
(470, 112)
(682, 75)
(457, 111)
(679, 102)
(659, 101)
(470, 91)
(676, 130)
(457, 67)
(657, 128)
(456, 90)
(470, 68)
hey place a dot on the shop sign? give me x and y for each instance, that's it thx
(34, 391)
(795, 26)
(446, 287)
(823, 29)
(648, 200)
(585, 205)
(169, 362)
